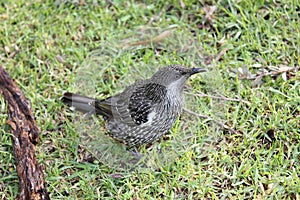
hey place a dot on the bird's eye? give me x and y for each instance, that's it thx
(178, 75)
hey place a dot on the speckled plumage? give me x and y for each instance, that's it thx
(145, 110)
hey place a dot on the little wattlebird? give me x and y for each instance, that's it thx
(145, 110)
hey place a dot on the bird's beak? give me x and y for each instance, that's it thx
(197, 70)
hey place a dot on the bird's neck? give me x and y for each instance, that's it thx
(175, 100)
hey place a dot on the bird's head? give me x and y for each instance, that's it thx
(174, 77)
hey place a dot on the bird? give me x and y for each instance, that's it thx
(144, 111)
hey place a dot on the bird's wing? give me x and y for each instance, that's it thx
(134, 104)
(144, 99)
(103, 108)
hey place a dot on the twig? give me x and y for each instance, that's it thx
(210, 59)
(220, 54)
(212, 119)
(273, 73)
(219, 97)
(156, 39)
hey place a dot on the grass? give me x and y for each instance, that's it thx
(47, 48)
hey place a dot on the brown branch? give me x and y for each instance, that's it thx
(25, 135)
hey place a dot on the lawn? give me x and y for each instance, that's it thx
(239, 136)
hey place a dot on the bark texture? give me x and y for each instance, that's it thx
(25, 135)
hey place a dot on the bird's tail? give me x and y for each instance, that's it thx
(79, 102)
(87, 105)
